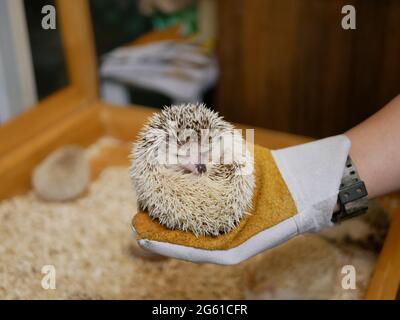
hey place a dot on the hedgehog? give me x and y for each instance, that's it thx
(192, 170)
(63, 175)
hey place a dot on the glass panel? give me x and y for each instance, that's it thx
(47, 52)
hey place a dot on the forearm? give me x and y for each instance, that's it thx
(375, 150)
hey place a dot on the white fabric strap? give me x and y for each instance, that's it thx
(312, 173)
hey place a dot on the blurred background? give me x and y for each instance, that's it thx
(285, 65)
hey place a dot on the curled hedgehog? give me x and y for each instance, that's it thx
(192, 170)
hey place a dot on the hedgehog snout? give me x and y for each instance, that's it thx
(201, 168)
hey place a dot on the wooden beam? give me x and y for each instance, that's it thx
(385, 281)
(78, 43)
(36, 120)
(125, 123)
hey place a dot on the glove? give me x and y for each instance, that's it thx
(296, 192)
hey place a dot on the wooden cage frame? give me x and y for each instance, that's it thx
(76, 114)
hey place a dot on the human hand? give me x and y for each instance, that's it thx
(296, 192)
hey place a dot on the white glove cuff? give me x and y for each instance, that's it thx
(312, 173)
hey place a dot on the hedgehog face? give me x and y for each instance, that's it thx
(188, 150)
(200, 151)
(192, 140)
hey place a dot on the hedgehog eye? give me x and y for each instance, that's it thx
(182, 142)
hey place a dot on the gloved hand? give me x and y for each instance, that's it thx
(296, 192)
